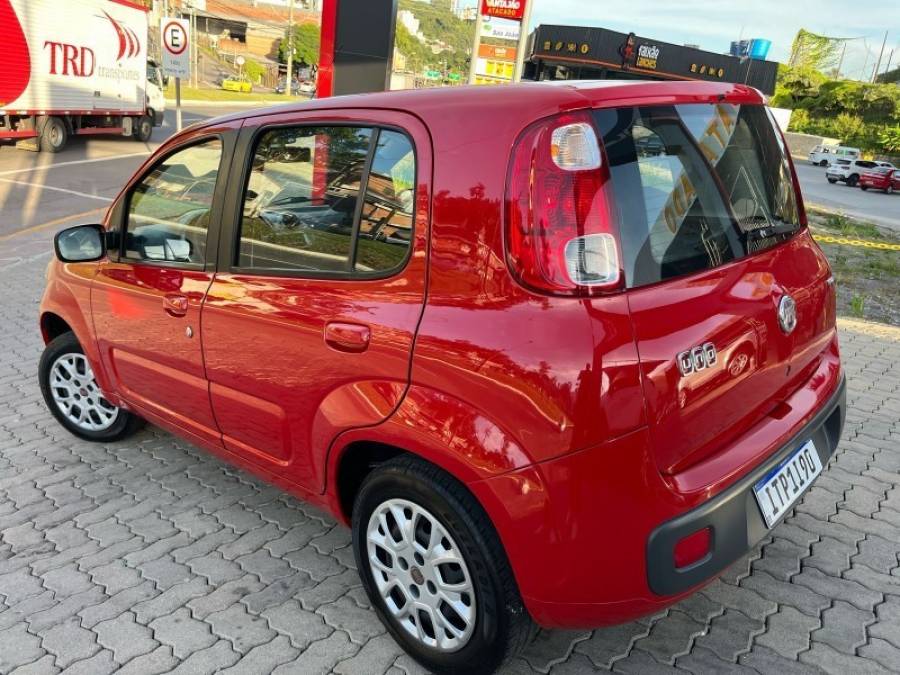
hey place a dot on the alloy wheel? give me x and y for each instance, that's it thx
(421, 575)
(77, 396)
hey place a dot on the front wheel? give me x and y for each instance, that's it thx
(889, 189)
(71, 392)
(863, 187)
(435, 571)
(143, 128)
(824, 162)
(832, 180)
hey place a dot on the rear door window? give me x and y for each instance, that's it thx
(696, 186)
(328, 200)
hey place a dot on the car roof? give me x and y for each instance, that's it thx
(536, 99)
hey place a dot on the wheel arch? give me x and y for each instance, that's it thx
(52, 326)
(431, 425)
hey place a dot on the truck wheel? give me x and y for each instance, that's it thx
(52, 133)
(824, 162)
(70, 391)
(143, 128)
(435, 571)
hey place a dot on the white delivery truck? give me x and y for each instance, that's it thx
(73, 67)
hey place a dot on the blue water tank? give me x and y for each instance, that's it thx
(759, 48)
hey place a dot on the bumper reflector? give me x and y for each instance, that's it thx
(693, 548)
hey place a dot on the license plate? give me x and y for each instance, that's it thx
(779, 489)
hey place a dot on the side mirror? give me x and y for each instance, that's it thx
(83, 243)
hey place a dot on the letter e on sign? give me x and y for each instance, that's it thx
(176, 59)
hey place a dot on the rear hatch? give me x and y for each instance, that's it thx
(713, 244)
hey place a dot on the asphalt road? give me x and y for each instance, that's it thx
(873, 206)
(44, 190)
(76, 185)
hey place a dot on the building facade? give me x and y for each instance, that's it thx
(588, 53)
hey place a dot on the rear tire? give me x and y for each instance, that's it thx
(889, 189)
(74, 398)
(863, 187)
(52, 133)
(824, 162)
(487, 623)
(852, 180)
(143, 128)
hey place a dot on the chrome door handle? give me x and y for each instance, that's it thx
(347, 337)
(175, 304)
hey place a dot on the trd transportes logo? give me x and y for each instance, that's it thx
(128, 39)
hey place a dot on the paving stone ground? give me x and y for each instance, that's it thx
(149, 556)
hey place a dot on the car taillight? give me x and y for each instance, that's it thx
(560, 237)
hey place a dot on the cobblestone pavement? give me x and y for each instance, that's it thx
(150, 556)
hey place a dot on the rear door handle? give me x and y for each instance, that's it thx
(347, 337)
(175, 304)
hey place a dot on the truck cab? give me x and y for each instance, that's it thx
(156, 98)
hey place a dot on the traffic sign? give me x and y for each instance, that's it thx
(176, 57)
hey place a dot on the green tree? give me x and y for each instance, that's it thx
(890, 139)
(305, 41)
(848, 127)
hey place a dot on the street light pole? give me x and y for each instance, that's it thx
(289, 49)
(523, 41)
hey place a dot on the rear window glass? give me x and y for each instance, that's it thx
(696, 186)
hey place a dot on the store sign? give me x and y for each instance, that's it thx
(503, 9)
(505, 30)
(560, 47)
(703, 69)
(497, 53)
(647, 56)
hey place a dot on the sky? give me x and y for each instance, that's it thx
(713, 24)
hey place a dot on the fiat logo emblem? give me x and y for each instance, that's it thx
(787, 314)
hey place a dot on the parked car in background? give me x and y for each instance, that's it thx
(881, 178)
(823, 155)
(561, 370)
(849, 171)
(281, 86)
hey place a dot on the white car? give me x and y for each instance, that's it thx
(849, 171)
(823, 155)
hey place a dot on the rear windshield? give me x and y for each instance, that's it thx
(696, 186)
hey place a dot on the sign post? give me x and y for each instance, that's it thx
(523, 40)
(176, 59)
(514, 10)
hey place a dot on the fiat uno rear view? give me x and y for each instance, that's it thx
(558, 353)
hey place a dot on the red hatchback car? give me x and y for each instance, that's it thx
(558, 353)
(883, 178)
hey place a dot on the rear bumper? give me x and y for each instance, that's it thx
(590, 535)
(733, 515)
